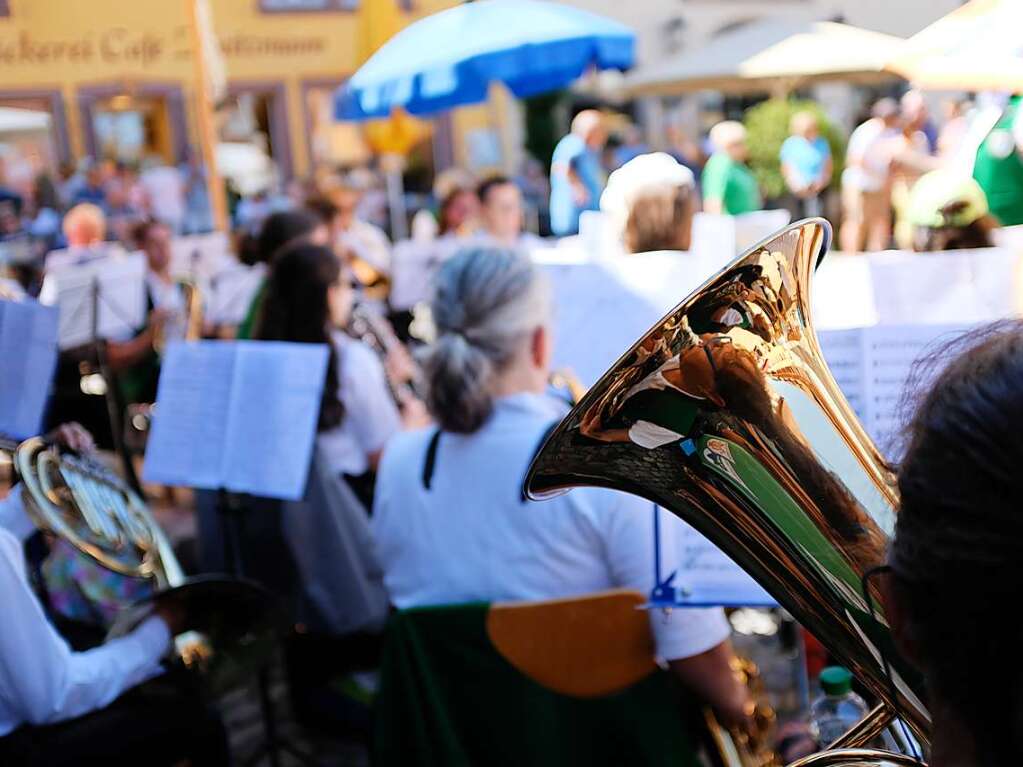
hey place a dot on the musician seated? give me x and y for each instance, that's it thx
(450, 522)
(110, 705)
(136, 360)
(85, 229)
(367, 243)
(955, 557)
(309, 300)
(279, 231)
(651, 200)
(502, 216)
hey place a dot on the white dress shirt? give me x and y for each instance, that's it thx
(371, 417)
(369, 243)
(470, 537)
(41, 679)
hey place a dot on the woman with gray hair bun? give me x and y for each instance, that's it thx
(488, 304)
(450, 522)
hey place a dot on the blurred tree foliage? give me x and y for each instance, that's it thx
(767, 125)
(542, 131)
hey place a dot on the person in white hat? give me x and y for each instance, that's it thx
(651, 200)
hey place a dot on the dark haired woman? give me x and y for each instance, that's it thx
(449, 523)
(957, 549)
(308, 300)
(279, 231)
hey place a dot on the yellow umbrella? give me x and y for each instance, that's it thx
(381, 20)
(976, 47)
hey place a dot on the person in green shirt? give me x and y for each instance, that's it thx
(728, 184)
(999, 165)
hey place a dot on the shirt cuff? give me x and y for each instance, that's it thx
(153, 634)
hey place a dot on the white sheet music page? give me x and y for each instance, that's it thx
(275, 405)
(28, 348)
(188, 439)
(239, 415)
(708, 577)
(892, 353)
(119, 281)
(232, 293)
(846, 354)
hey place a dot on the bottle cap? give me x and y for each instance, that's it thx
(836, 680)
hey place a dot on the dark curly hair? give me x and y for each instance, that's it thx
(959, 536)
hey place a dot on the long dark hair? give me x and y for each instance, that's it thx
(296, 309)
(959, 537)
(282, 229)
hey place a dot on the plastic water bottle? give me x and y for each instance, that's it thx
(838, 709)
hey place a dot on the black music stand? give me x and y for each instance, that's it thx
(239, 419)
(95, 302)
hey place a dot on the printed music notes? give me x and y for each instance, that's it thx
(28, 348)
(876, 368)
(237, 415)
(707, 577)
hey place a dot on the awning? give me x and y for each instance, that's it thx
(771, 54)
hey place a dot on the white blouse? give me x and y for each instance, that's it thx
(41, 679)
(471, 537)
(371, 417)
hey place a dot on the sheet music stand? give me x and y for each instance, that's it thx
(219, 401)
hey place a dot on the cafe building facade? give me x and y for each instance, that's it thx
(118, 79)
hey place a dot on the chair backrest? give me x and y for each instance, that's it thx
(586, 647)
(570, 681)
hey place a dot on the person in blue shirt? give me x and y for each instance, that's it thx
(806, 163)
(577, 177)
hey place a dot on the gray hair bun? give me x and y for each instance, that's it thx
(486, 301)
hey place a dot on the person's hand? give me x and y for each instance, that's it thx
(580, 195)
(172, 612)
(158, 318)
(399, 365)
(737, 712)
(73, 436)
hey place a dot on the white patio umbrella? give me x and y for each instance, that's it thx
(771, 55)
(976, 47)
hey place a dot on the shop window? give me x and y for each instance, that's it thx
(331, 143)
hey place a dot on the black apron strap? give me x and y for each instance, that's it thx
(431, 459)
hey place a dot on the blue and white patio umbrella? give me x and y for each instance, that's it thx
(450, 58)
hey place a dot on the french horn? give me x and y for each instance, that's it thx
(726, 414)
(80, 501)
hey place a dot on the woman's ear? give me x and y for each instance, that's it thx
(903, 631)
(540, 348)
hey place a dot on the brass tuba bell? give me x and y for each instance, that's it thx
(726, 413)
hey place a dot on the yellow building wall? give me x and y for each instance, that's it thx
(71, 45)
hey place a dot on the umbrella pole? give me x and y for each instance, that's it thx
(393, 165)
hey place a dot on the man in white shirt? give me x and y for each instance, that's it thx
(501, 212)
(61, 707)
(866, 189)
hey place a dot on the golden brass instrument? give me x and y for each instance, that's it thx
(83, 503)
(763, 455)
(139, 415)
(192, 320)
(373, 329)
